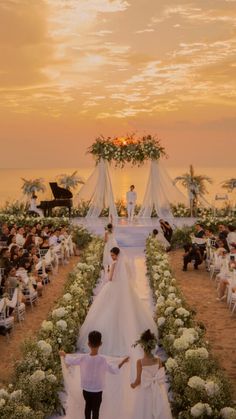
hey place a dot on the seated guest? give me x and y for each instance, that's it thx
(192, 253)
(209, 234)
(54, 238)
(231, 237)
(5, 261)
(4, 233)
(29, 241)
(199, 231)
(11, 241)
(45, 243)
(45, 232)
(223, 233)
(12, 282)
(221, 244)
(20, 239)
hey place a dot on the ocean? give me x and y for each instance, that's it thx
(10, 180)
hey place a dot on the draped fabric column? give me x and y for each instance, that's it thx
(160, 193)
(98, 190)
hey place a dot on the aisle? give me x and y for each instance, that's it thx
(120, 385)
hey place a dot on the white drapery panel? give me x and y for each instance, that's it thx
(160, 193)
(98, 190)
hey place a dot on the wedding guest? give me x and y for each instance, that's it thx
(131, 198)
(5, 261)
(29, 241)
(11, 241)
(12, 282)
(152, 397)
(4, 233)
(192, 253)
(93, 369)
(231, 237)
(54, 238)
(167, 230)
(20, 239)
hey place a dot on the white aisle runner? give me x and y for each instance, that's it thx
(118, 396)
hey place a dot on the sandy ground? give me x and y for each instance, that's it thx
(200, 293)
(11, 349)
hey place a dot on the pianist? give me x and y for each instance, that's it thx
(33, 206)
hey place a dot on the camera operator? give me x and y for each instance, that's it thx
(192, 253)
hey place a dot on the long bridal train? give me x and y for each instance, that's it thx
(118, 313)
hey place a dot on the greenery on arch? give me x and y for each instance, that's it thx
(127, 149)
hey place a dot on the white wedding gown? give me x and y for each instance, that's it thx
(111, 242)
(118, 313)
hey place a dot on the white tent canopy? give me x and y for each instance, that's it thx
(98, 190)
(160, 192)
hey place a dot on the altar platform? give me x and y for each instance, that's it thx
(129, 233)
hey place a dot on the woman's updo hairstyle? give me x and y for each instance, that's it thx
(115, 250)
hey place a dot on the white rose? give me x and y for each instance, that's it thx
(51, 378)
(161, 321)
(61, 324)
(171, 364)
(47, 325)
(178, 323)
(59, 312)
(211, 388)
(15, 395)
(67, 296)
(169, 310)
(45, 347)
(196, 382)
(228, 413)
(37, 376)
(182, 312)
(3, 394)
(2, 402)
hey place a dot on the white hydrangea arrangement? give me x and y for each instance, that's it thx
(192, 373)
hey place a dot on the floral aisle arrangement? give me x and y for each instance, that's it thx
(199, 388)
(127, 149)
(22, 219)
(38, 380)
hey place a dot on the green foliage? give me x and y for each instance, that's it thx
(181, 236)
(127, 150)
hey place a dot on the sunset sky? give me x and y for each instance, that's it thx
(73, 69)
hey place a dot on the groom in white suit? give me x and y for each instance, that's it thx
(131, 198)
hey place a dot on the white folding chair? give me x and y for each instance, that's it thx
(6, 321)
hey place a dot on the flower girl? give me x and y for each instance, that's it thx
(151, 401)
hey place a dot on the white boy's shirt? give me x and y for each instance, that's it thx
(93, 369)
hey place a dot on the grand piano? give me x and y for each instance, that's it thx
(63, 198)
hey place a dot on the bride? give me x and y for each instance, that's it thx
(110, 242)
(117, 312)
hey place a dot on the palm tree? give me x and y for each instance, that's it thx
(229, 184)
(70, 181)
(192, 181)
(30, 187)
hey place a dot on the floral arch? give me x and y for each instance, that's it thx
(135, 151)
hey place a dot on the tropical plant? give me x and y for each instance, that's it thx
(32, 186)
(70, 181)
(191, 180)
(229, 184)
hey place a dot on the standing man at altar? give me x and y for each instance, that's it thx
(131, 198)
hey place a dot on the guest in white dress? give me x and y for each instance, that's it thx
(110, 242)
(151, 400)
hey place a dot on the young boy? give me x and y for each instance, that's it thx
(93, 368)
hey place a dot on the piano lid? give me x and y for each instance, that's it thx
(60, 193)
